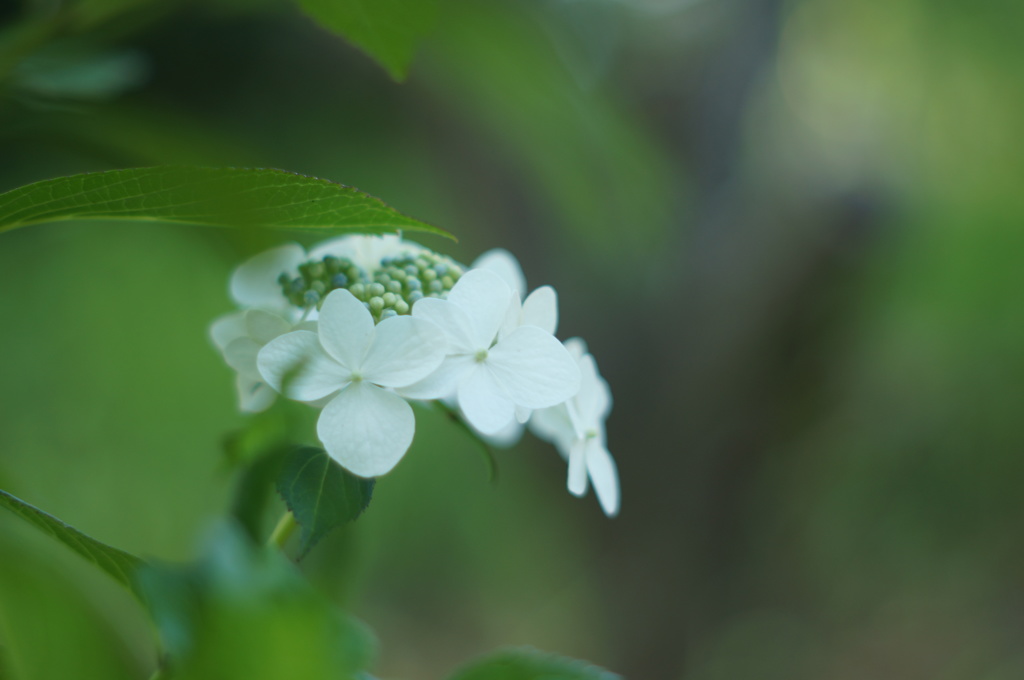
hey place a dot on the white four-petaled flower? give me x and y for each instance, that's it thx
(491, 375)
(576, 428)
(239, 337)
(365, 426)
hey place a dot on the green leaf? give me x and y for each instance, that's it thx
(387, 30)
(321, 494)
(531, 664)
(242, 611)
(225, 197)
(120, 565)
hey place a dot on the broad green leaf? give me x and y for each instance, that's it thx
(531, 664)
(120, 565)
(243, 611)
(321, 494)
(387, 30)
(236, 197)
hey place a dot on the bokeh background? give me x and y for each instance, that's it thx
(790, 231)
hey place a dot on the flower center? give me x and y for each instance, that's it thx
(480, 356)
(387, 290)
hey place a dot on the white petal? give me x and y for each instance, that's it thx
(523, 414)
(254, 395)
(513, 316)
(553, 424)
(263, 326)
(366, 429)
(506, 437)
(577, 468)
(342, 246)
(297, 359)
(366, 251)
(534, 369)
(404, 350)
(444, 382)
(345, 328)
(604, 475)
(576, 347)
(241, 354)
(485, 298)
(254, 283)
(541, 309)
(594, 400)
(227, 328)
(484, 403)
(452, 320)
(505, 265)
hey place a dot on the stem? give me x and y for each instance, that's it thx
(285, 526)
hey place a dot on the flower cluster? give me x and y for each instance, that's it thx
(359, 325)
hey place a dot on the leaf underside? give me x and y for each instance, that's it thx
(321, 494)
(225, 197)
(117, 563)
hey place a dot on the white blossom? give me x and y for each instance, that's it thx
(491, 375)
(576, 428)
(365, 426)
(240, 336)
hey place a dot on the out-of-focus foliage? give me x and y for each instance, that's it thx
(388, 30)
(789, 231)
(524, 664)
(244, 612)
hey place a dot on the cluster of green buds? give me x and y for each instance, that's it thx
(389, 290)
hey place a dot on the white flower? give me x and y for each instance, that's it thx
(577, 429)
(239, 337)
(490, 375)
(365, 427)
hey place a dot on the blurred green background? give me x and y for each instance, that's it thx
(791, 233)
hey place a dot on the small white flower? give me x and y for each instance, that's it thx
(365, 427)
(240, 336)
(576, 428)
(491, 375)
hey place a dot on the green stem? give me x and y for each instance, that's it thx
(285, 526)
